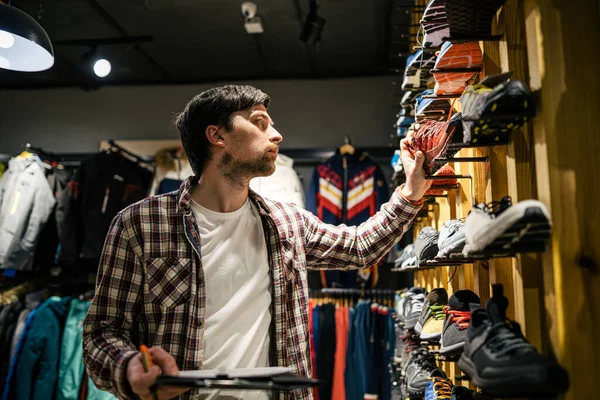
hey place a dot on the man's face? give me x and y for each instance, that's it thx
(252, 146)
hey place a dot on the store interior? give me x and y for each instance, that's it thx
(488, 294)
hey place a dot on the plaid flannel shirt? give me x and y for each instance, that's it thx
(150, 286)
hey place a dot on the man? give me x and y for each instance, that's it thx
(213, 276)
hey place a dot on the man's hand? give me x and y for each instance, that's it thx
(416, 185)
(142, 381)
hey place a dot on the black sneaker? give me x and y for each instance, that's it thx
(462, 393)
(458, 317)
(468, 18)
(501, 362)
(421, 363)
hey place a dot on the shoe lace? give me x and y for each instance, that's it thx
(442, 387)
(417, 303)
(506, 338)
(462, 318)
(424, 359)
(437, 312)
(497, 207)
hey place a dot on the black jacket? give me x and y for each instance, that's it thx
(100, 188)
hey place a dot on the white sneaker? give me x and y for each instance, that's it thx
(501, 228)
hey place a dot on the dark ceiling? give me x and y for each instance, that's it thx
(196, 41)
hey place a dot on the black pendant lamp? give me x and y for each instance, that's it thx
(24, 44)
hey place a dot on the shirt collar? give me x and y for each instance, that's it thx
(185, 197)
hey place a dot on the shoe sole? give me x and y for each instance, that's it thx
(452, 350)
(458, 55)
(513, 387)
(431, 337)
(418, 327)
(525, 227)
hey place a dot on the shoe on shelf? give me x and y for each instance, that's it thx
(413, 307)
(416, 74)
(468, 19)
(456, 55)
(431, 321)
(439, 386)
(452, 238)
(436, 183)
(409, 344)
(495, 107)
(501, 362)
(407, 253)
(419, 367)
(426, 245)
(462, 393)
(435, 24)
(503, 228)
(431, 108)
(456, 322)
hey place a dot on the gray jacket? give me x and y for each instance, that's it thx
(26, 202)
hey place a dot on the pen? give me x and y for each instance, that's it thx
(147, 361)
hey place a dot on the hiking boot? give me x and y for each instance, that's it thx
(503, 228)
(501, 362)
(439, 386)
(418, 370)
(451, 239)
(456, 322)
(494, 107)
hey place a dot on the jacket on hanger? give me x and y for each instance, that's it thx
(347, 189)
(37, 367)
(70, 373)
(100, 188)
(47, 246)
(26, 202)
(169, 181)
(8, 323)
(283, 185)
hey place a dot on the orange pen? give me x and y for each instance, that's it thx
(147, 361)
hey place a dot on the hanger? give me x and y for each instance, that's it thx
(347, 147)
(114, 147)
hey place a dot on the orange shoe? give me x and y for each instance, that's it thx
(456, 55)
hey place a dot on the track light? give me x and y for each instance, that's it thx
(313, 26)
(102, 68)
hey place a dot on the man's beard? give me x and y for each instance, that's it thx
(239, 172)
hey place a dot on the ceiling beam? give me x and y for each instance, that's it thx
(112, 22)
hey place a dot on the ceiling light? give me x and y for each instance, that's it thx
(24, 44)
(102, 68)
(313, 26)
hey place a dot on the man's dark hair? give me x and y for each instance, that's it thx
(213, 107)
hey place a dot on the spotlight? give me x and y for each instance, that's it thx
(102, 68)
(313, 26)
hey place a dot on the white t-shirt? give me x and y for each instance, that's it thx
(238, 298)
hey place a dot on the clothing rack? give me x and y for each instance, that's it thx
(115, 146)
(341, 292)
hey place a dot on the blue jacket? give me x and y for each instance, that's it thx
(37, 367)
(347, 189)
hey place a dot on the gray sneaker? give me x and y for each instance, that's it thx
(451, 239)
(458, 317)
(413, 307)
(426, 245)
(418, 369)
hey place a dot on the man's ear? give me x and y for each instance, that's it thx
(214, 134)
